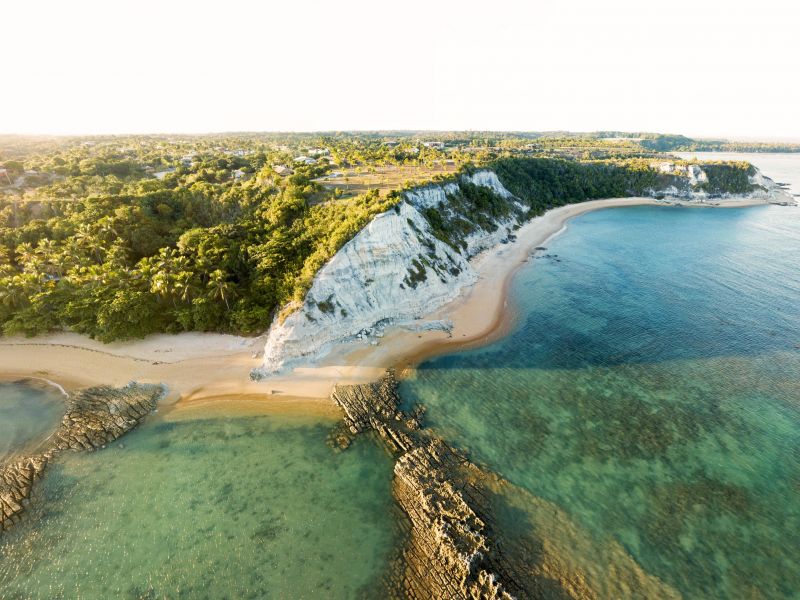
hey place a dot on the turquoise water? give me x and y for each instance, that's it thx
(223, 507)
(28, 414)
(652, 391)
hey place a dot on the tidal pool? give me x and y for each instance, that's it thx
(29, 412)
(223, 507)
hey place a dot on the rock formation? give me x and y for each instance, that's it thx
(95, 417)
(459, 541)
(400, 267)
(394, 270)
(446, 555)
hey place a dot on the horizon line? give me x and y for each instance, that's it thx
(703, 137)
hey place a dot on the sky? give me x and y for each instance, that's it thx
(696, 67)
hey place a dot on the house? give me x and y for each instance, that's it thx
(238, 174)
(318, 152)
(306, 160)
(437, 145)
(282, 170)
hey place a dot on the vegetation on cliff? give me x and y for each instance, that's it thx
(123, 237)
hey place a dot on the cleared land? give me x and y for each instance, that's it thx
(357, 180)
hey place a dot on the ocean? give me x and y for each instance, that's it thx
(651, 390)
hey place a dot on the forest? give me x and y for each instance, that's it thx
(119, 238)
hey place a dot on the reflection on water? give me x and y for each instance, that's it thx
(28, 414)
(244, 507)
(652, 391)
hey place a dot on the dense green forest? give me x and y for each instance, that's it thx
(117, 257)
(123, 237)
(545, 183)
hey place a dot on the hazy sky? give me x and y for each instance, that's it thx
(699, 67)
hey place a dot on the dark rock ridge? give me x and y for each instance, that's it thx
(469, 533)
(95, 417)
(448, 553)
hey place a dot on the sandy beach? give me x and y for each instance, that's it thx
(203, 370)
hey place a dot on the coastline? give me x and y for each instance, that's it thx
(484, 312)
(205, 370)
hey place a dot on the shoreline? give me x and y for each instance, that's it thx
(206, 370)
(485, 312)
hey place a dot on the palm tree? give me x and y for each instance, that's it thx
(106, 229)
(12, 292)
(90, 242)
(184, 285)
(47, 251)
(161, 283)
(219, 287)
(16, 290)
(28, 258)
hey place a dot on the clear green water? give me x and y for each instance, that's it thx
(28, 414)
(224, 507)
(652, 391)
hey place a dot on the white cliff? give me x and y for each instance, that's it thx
(395, 270)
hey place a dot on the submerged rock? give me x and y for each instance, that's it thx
(95, 417)
(468, 533)
(446, 555)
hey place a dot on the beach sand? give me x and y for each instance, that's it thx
(204, 370)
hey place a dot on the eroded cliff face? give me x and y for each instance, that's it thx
(395, 270)
(414, 258)
(691, 182)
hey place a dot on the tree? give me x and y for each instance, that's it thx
(218, 287)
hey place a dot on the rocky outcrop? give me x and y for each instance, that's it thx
(446, 554)
(691, 181)
(95, 417)
(469, 533)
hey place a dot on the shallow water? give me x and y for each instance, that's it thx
(652, 391)
(228, 507)
(28, 414)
